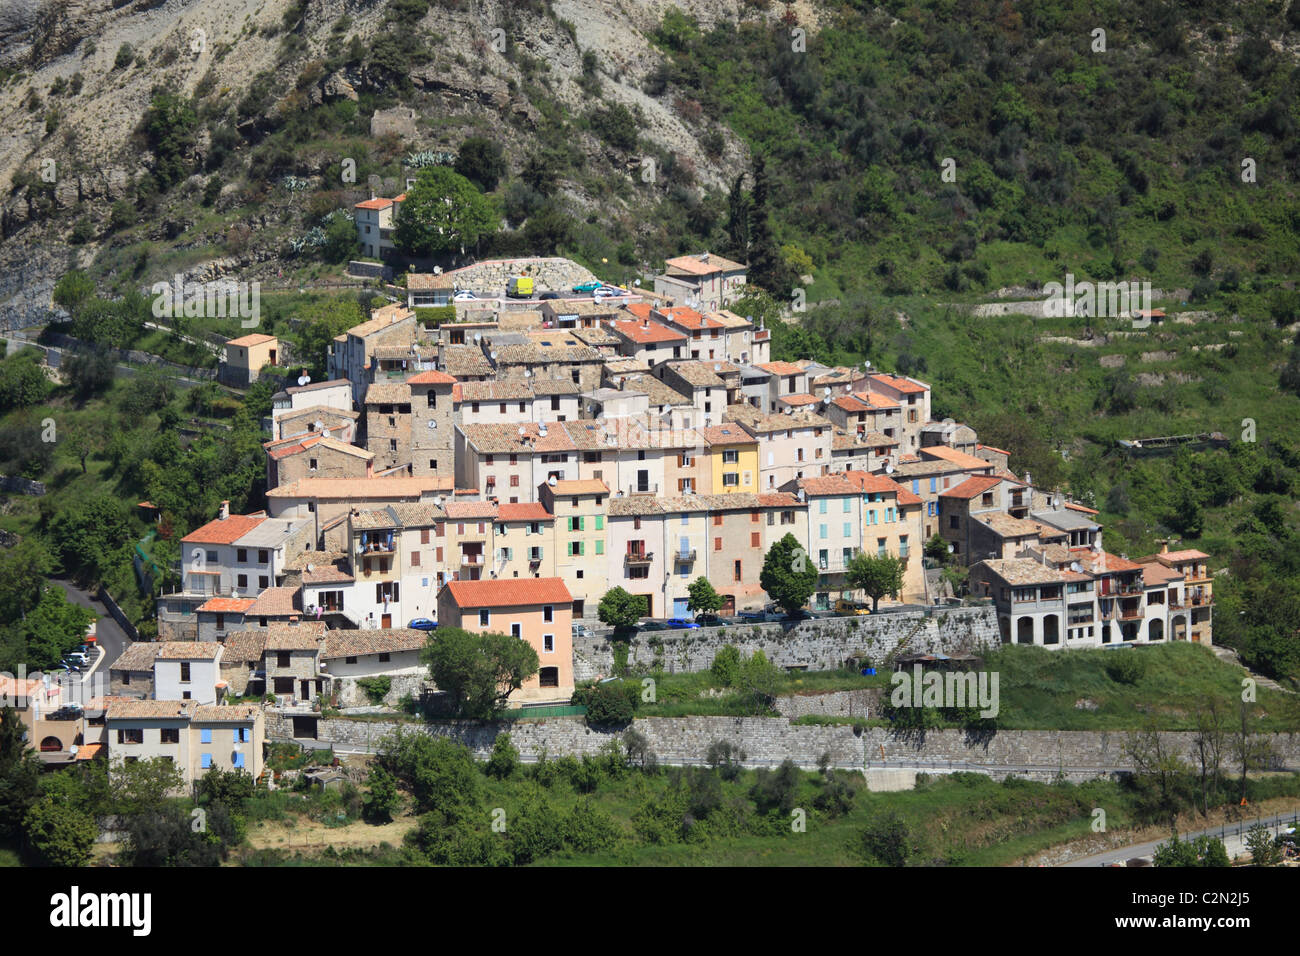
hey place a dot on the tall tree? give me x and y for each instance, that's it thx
(788, 575)
(767, 268)
(443, 212)
(478, 672)
(702, 597)
(19, 773)
(876, 575)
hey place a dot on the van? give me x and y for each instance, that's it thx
(520, 287)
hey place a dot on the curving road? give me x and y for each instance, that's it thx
(1233, 836)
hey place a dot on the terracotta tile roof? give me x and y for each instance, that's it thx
(89, 751)
(381, 319)
(1105, 563)
(778, 499)
(244, 646)
(497, 390)
(959, 458)
(339, 643)
(972, 487)
(396, 393)
(429, 281)
(227, 605)
(646, 333)
(497, 439)
(227, 714)
(802, 418)
(659, 393)
(641, 310)
(187, 650)
(431, 377)
(876, 401)
(151, 709)
(512, 592)
(828, 485)
(1023, 571)
(1155, 574)
(306, 636)
(899, 384)
(580, 486)
(1190, 554)
(996, 451)
(841, 440)
(275, 602)
(363, 489)
(526, 511)
(800, 398)
(699, 266)
(555, 386)
(781, 368)
(464, 361)
(850, 403)
(224, 531)
(688, 318)
(460, 510)
(726, 434)
(373, 204)
(1009, 526)
(1086, 510)
(137, 657)
(12, 688)
(256, 338)
(317, 386)
(703, 374)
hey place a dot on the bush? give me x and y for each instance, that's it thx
(376, 688)
(725, 757)
(1127, 668)
(124, 57)
(609, 704)
(888, 839)
(726, 665)
(504, 759)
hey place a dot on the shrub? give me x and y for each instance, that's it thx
(725, 757)
(888, 839)
(504, 759)
(376, 688)
(124, 57)
(726, 665)
(609, 704)
(1127, 668)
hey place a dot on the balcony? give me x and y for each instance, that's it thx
(471, 560)
(638, 557)
(685, 557)
(1131, 614)
(644, 488)
(376, 547)
(1133, 588)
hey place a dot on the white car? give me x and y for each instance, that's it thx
(465, 296)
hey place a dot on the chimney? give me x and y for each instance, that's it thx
(224, 513)
(1164, 547)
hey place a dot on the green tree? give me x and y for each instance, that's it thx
(170, 125)
(23, 381)
(440, 773)
(702, 598)
(59, 835)
(19, 773)
(888, 839)
(758, 679)
(86, 533)
(141, 787)
(73, 290)
(443, 212)
(1202, 851)
(788, 576)
(318, 323)
(936, 549)
(340, 240)
(726, 665)
(620, 610)
(478, 672)
(876, 575)
(90, 372)
(52, 628)
(504, 759)
(482, 162)
(383, 800)
(23, 570)
(1264, 850)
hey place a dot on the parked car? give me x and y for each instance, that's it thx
(587, 287)
(76, 657)
(423, 624)
(606, 294)
(582, 630)
(851, 607)
(464, 295)
(711, 620)
(66, 712)
(651, 625)
(682, 622)
(548, 295)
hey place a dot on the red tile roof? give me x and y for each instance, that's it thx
(256, 338)
(958, 458)
(431, 378)
(781, 368)
(227, 605)
(580, 486)
(374, 204)
(527, 511)
(898, 384)
(224, 531)
(514, 592)
(646, 332)
(971, 487)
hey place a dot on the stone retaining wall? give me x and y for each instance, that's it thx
(864, 702)
(817, 644)
(553, 274)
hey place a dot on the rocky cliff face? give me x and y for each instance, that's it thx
(76, 77)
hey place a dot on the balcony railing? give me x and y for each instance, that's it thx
(1128, 588)
(686, 557)
(644, 488)
(638, 557)
(471, 560)
(1131, 614)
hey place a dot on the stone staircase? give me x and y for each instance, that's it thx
(1230, 656)
(902, 645)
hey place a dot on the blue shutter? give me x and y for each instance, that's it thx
(205, 736)
(239, 760)
(207, 761)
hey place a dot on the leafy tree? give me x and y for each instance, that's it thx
(703, 599)
(84, 534)
(171, 835)
(52, 628)
(616, 125)
(231, 788)
(776, 791)
(609, 705)
(504, 759)
(726, 665)
(141, 787)
(59, 835)
(1202, 851)
(383, 800)
(758, 679)
(89, 372)
(876, 575)
(443, 212)
(936, 549)
(340, 240)
(19, 772)
(170, 125)
(318, 324)
(73, 289)
(1264, 850)
(620, 610)
(478, 672)
(888, 839)
(23, 381)
(788, 577)
(482, 162)
(440, 773)
(23, 570)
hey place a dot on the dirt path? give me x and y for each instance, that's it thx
(311, 836)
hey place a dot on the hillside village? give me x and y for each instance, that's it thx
(503, 471)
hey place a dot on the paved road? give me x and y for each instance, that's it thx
(1233, 836)
(108, 635)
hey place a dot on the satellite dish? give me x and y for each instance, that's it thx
(637, 283)
(432, 423)
(1076, 566)
(318, 426)
(541, 430)
(866, 365)
(494, 356)
(73, 749)
(551, 481)
(438, 500)
(889, 467)
(789, 411)
(477, 336)
(717, 367)
(827, 392)
(1056, 501)
(592, 408)
(522, 431)
(527, 372)
(310, 569)
(304, 379)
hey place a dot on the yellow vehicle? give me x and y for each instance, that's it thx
(520, 287)
(850, 607)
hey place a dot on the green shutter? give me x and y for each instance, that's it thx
(600, 547)
(600, 522)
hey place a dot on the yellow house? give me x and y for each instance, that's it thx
(580, 507)
(246, 356)
(733, 454)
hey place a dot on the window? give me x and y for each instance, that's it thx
(415, 559)
(211, 557)
(207, 758)
(514, 481)
(548, 643)
(717, 544)
(736, 571)
(241, 580)
(238, 762)
(221, 622)
(730, 479)
(717, 520)
(823, 531)
(349, 660)
(730, 456)
(600, 522)
(185, 672)
(385, 657)
(954, 522)
(282, 659)
(846, 555)
(848, 529)
(600, 547)
(263, 581)
(241, 554)
(205, 735)
(517, 630)
(754, 540)
(484, 618)
(549, 677)
(243, 735)
(130, 735)
(821, 506)
(169, 735)
(548, 613)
